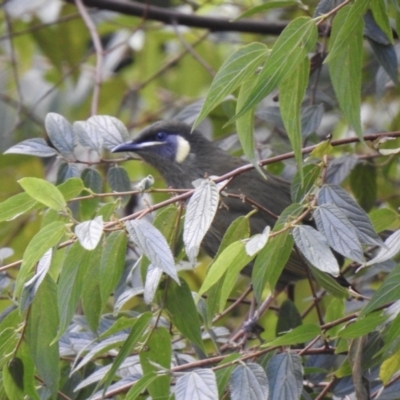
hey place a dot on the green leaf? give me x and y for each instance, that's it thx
(136, 333)
(71, 188)
(245, 124)
(384, 218)
(44, 192)
(270, 262)
(13, 373)
(91, 297)
(346, 24)
(387, 292)
(118, 180)
(93, 181)
(238, 229)
(363, 326)
(183, 313)
(335, 311)
(381, 17)
(329, 283)
(392, 338)
(112, 264)
(363, 185)
(15, 206)
(70, 284)
(140, 385)
(234, 256)
(223, 375)
(288, 317)
(345, 61)
(46, 238)
(389, 367)
(291, 94)
(289, 51)
(157, 352)
(267, 6)
(236, 69)
(241, 260)
(30, 382)
(300, 189)
(301, 334)
(41, 329)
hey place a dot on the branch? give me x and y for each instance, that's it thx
(172, 17)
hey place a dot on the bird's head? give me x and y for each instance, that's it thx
(178, 154)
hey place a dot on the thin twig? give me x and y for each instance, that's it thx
(99, 54)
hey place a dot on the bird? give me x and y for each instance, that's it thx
(182, 156)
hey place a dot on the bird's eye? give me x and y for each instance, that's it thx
(161, 136)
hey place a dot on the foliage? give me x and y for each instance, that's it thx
(104, 289)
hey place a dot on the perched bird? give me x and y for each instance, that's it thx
(182, 156)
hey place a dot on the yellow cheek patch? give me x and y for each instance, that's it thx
(182, 149)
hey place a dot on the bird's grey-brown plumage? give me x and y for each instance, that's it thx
(207, 159)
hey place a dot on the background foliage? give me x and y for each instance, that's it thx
(83, 314)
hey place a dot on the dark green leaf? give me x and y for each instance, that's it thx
(112, 264)
(363, 184)
(67, 171)
(91, 295)
(118, 180)
(70, 284)
(223, 375)
(40, 332)
(387, 292)
(288, 317)
(299, 190)
(93, 181)
(157, 353)
(136, 333)
(182, 311)
(140, 385)
(329, 283)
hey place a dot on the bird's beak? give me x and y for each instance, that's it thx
(134, 147)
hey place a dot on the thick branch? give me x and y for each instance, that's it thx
(172, 17)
